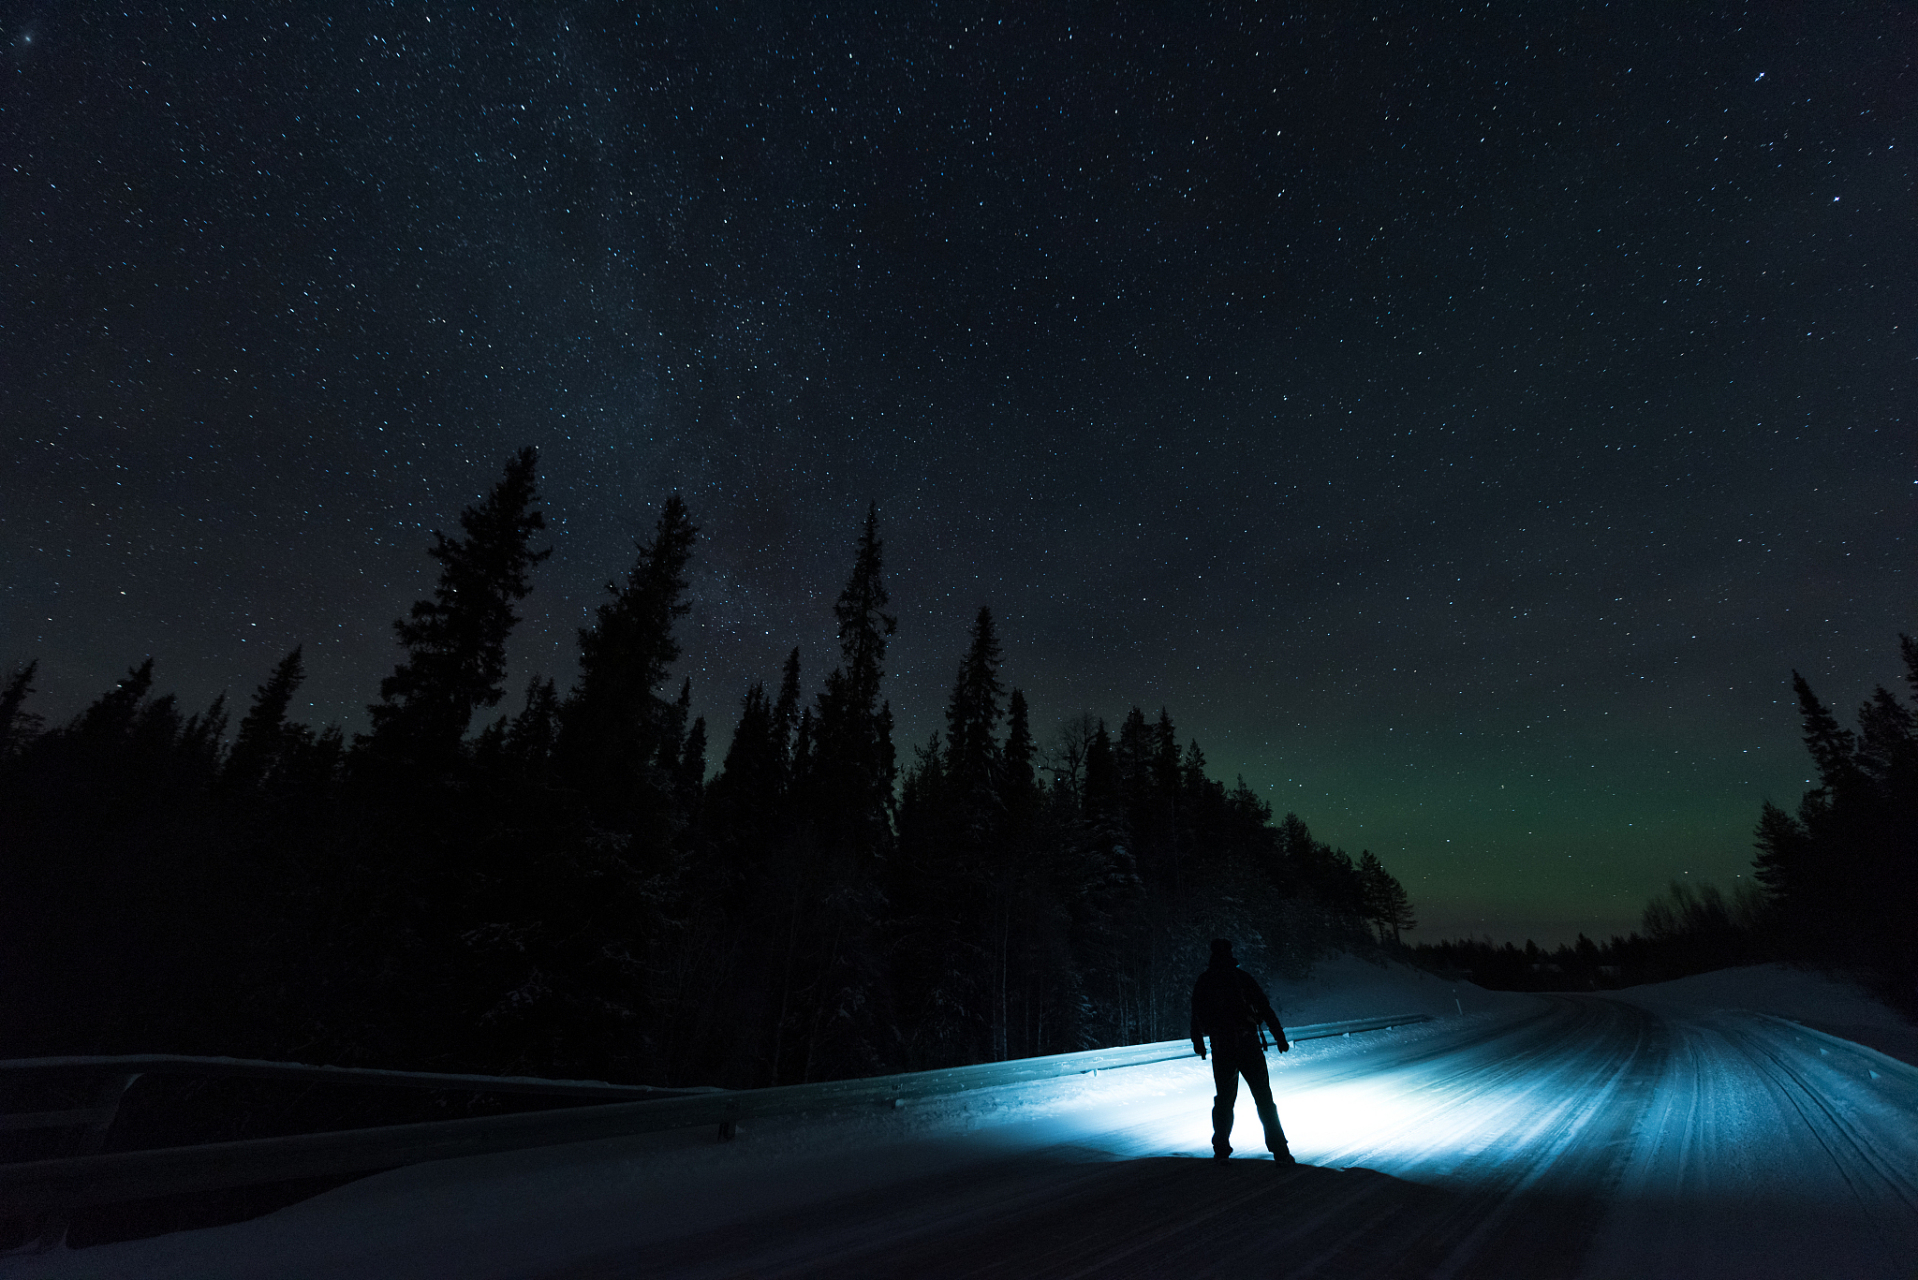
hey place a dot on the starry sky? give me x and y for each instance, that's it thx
(1461, 418)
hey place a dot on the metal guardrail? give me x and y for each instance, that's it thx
(113, 1077)
(1325, 1030)
(179, 1064)
(1878, 1061)
(119, 1074)
(94, 1179)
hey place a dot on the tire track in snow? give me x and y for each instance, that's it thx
(1528, 1129)
(1761, 1158)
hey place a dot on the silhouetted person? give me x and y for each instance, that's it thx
(1228, 1005)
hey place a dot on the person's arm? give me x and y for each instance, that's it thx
(1270, 1017)
(1198, 1036)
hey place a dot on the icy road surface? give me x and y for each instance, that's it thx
(1576, 1136)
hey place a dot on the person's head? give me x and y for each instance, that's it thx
(1222, 953)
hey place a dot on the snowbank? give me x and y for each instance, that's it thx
(1346, 986)
(1819, 1001)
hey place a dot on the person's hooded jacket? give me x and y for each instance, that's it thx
(1229, 1006)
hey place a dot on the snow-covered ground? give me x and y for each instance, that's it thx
(1832, 1005)
(1346, 986)
(1667, 1133)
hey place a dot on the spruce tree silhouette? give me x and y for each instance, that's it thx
(556, 913)
(757, 877)
(18, 726)
(456, 642)
(532, 733)
(849, 768)
(265, 738)
(548, 915)
(1843, 872)
(744, 805)
(786, 717)
(949, 876)
(1019, 887)
(1387, 906)
(1104, 799)
(1165, 755)
(854, 765)
(689, 772)
(105, 724)
(1398, 907)
(617, 744)
(972, 721)
(1019, 788)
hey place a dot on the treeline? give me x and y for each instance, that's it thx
(1842, 872)
(560, 889)
(1834, 884)
(1685, 930)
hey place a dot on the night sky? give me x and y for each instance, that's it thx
(1461, 419)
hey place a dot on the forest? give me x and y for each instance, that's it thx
(1833, 885)
(567, 886)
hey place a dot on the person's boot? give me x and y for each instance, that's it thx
(1275, 1135)
(1221, 1131)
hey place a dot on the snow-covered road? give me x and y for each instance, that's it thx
(1567, 1136)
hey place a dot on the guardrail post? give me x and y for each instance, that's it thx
(106, 1109)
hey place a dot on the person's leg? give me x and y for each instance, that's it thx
(1225, 1082)
(1259, 1082)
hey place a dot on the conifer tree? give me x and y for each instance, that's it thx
(804, 734)
(972, 721)
(689, 772)
(747, 802)
(1019, 753)
(673, 728)
(1399, 914)
(1192, 775)
(751, 767)
(1133, 752)
(952, 874)
(202, 742)
(1789, 868)
(1104, 801)
(1373, 892)
(18, 725)
(265, 736)
(853, 760)
(849, 771)
(1842, 874)
(1024, 920)
(111, 716)
(1386, 904)
(785, 716)
(1833, 749)
(1165, 755)
(616, 733)
(530, 737)
(456, 642)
